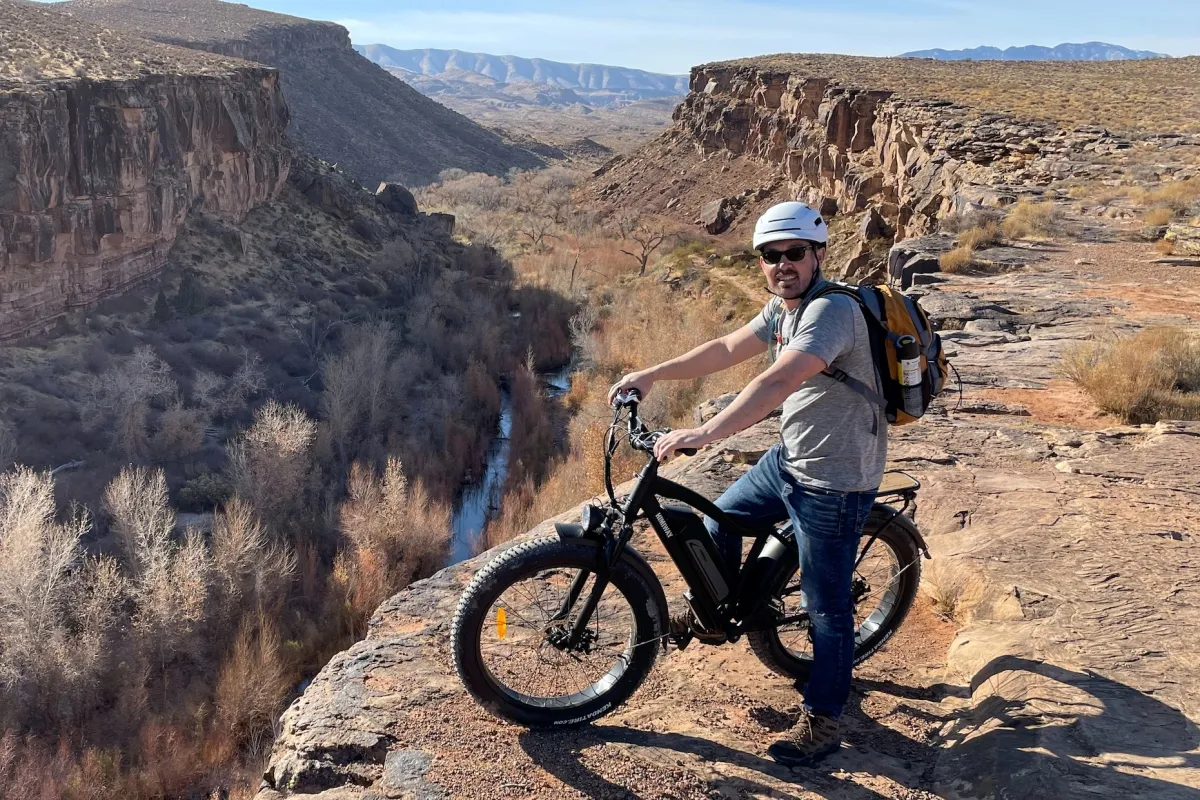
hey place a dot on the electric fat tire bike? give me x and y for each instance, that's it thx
(559, 630)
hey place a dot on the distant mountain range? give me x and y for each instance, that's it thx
(1088, 51)
(594, 84)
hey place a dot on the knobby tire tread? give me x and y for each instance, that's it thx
(501, 572)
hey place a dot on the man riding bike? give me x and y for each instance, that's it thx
(824, 473)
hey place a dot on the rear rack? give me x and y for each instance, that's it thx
(898, 484)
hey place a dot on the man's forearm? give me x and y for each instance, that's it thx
(764, 394)
(761, 396)
(710, 357)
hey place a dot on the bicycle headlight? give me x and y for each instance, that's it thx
(592, 518)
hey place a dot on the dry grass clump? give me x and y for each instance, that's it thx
(1175, 196)
(969, 240)
(954, 592)
(1032, 220)
(956, 260)
(980, 237)
(1158, 216)
(1151, 375)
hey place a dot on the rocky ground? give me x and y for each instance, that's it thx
(1048, 657)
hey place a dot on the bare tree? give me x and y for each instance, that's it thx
(355, 399)
(581, 326)
(8, 445)
(125, 392)
(270, 465)
(537, 229)
(646, 235)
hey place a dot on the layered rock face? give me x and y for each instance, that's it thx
(97, 176)
(843, 148)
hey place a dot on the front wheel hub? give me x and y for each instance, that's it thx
(559, 637)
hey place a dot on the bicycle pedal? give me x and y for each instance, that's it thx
(681, 641)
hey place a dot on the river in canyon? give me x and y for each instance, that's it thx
(480, 501)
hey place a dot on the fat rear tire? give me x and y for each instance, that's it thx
(901, 537)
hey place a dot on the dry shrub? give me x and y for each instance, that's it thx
(1158, 216)
(1032, 220)
(395, 534)
(956, 260)
(976, 218)
(270, 465)
(252, 569)
(1175, 196)
(1151, 375)
(954, 592)
(1164, 247)
(254, 680)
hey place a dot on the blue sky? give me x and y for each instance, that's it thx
(673, 35)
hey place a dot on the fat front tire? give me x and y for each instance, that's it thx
(783, 651)
(505, 660)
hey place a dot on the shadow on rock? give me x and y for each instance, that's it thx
(563, 759)
(1039, 730)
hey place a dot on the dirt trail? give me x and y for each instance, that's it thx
(1065, 548)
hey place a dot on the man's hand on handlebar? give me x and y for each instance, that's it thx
(634, 381)
(686, 439)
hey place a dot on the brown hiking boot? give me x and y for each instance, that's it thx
(813, 737)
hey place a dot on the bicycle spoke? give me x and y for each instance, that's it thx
(524, 660)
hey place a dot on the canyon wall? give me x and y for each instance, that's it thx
(97, 176)
(845, 148)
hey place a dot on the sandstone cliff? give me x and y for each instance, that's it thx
(344, 108)
(844, 148)
(106, 143)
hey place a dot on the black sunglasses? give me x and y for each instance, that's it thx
(793, 254)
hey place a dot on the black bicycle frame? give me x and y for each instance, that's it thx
(721, 601)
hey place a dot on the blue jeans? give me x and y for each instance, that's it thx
(828, 525)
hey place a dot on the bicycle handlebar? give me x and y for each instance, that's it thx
(639, 437)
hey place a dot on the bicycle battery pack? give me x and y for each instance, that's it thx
(694, 552)
(771, 557)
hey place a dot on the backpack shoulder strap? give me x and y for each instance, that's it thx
(840, 375)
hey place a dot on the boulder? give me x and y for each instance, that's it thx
(396, 199)
(872, 225)
(717, 215)
(444, 222)
(1185, 237)
(917, 255)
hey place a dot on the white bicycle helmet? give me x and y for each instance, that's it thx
(791, 220)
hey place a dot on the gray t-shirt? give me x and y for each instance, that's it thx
(833, 437)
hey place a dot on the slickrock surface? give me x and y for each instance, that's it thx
(344, 108)
(106, 142)
(1066, 546)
